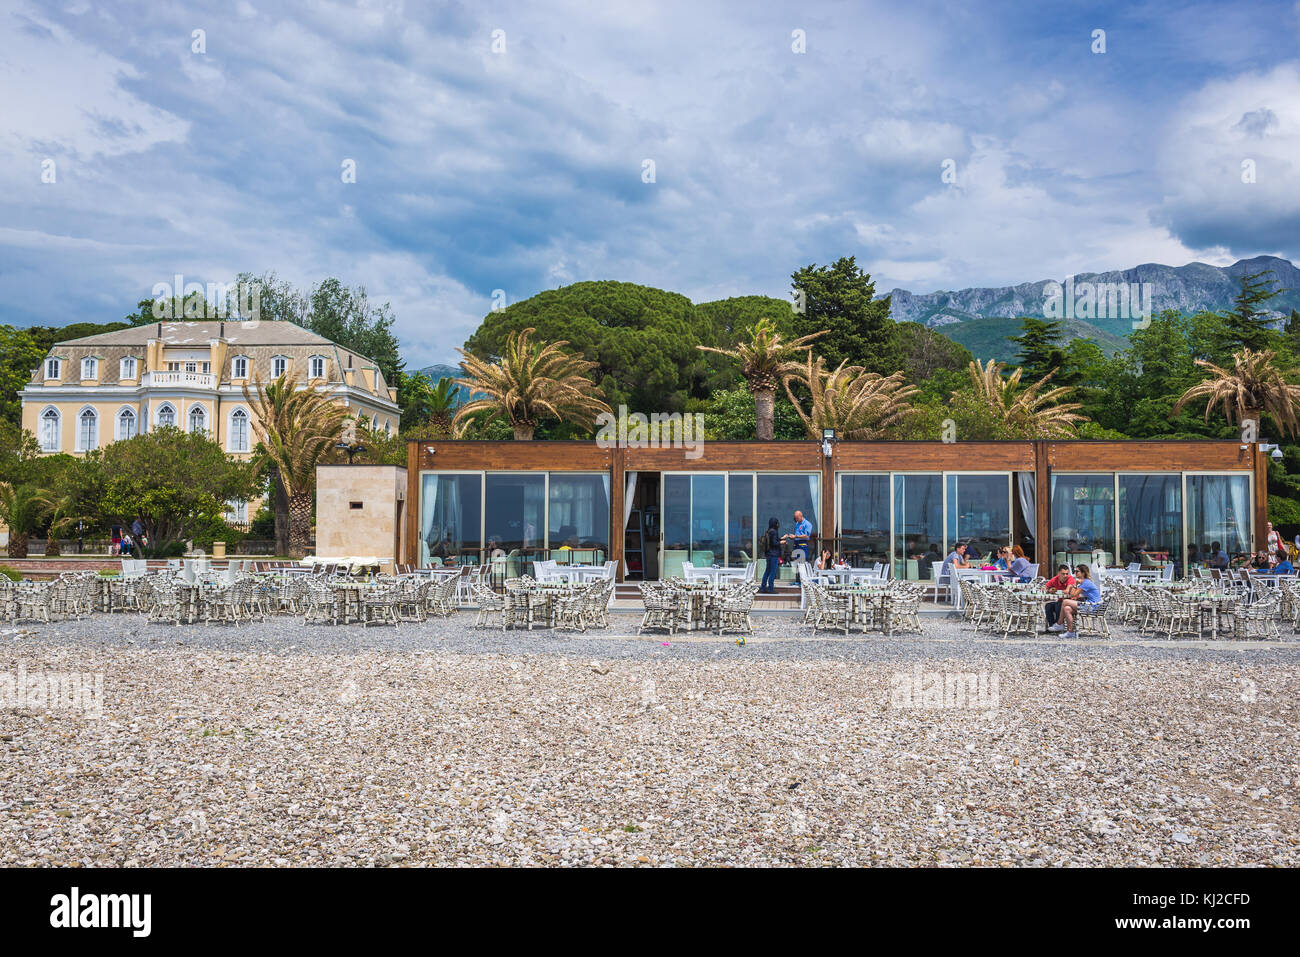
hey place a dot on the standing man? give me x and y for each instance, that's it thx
(800, 537)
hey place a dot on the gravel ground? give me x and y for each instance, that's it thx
(442, 744)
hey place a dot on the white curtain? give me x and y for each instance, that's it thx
(432, 533)
(1239, 492)
(816, 505)
(627, 499)
(1027, 485)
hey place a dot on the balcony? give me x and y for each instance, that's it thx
(180, 380)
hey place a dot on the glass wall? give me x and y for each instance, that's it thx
(514, 518)
(515, 513)
(979, 513)
(1083, 519)
(451, 518)
(864, 518)
(578, 514)
(918, 522)
(740, 519)
(1218, 510)
(783, 494)
(713, 517)
(1151, 517)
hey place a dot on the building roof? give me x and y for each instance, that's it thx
(236, 332)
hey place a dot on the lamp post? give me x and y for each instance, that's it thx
(350, 448)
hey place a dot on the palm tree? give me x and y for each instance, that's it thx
(531, 381)
(22, 509)
(1034, 411)
(855, 403)
(431, 402)
(1254, 386)
(295, 427)
(63, 512)
(765, 361)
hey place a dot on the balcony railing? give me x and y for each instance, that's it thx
(191, 380)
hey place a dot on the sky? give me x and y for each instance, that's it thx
(508, 146)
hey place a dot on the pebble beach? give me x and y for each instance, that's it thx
(279, 743)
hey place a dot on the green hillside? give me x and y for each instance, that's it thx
(988, 337)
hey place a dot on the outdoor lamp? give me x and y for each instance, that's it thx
(350, 449)
(828, 442)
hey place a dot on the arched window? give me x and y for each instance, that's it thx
(238, 431)
(166, 417)
(198, 419)
(87, 430)
(126, 423)
(50, 429)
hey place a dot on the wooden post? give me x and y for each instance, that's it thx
(1043, 506)
(828, 497)
(412, 518)
(1261, 499)
(618, 483)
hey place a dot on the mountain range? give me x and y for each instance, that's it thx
(981, 318)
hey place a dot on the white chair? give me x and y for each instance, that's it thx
(611, 570)
(1135, 566)
(688, 570)
(1167, 573)
(751, 570)
(940, 586)
(1033, 571)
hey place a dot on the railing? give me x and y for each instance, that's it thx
(192, 380)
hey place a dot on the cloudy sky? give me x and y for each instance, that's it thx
(504, 146)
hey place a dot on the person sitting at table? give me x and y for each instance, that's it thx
(1261, 561)
(1218, 557)
(1020, 565)
(1085, 595)
(1002, 562)
(956, 559)
(973, 554)
(1283, 566)
(927, 561)
(1061, 582)
(825, 560)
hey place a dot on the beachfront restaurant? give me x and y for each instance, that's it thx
(652, 510)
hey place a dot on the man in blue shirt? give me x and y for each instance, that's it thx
(801, 535)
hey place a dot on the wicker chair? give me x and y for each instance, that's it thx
(490, 604)
(33, 601)
(662, 603)
(517, 606)
(833, 610)
(442, 597)
(1259, 619)
(901, 610)
(733, 610)
(322, 603)
(1092, 621)
(379, 604)
(165, 602)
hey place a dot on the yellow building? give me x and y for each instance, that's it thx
(191, 375)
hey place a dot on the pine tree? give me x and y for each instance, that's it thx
(1246, 325)
(839, 301)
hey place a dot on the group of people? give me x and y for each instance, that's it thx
(128, 544)
(1076, 591)
(1009, 558)
(798, 541)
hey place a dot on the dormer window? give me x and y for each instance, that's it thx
(126, 368)
(317, 367)
(279, 366)
(53, 368)
(89, 368)
(239, 367)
